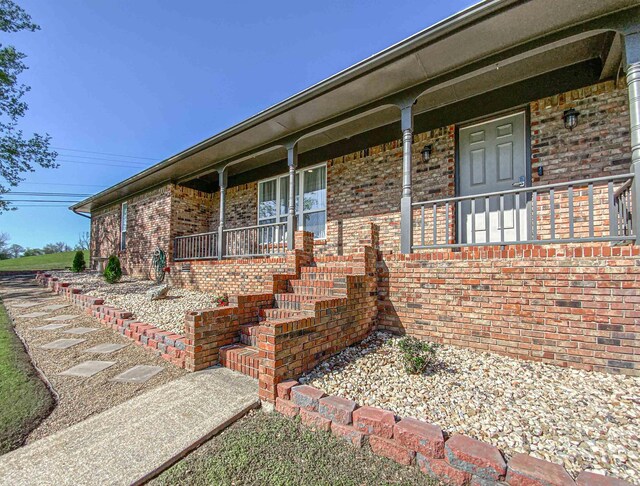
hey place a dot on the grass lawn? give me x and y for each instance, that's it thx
(270, 449)
(54, 261)
(24, 398)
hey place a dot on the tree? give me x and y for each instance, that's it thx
(18, 154)
(32, 252)
(4, 251)
(79, 265)
(15, 250)
(58, 247)
(83, 241)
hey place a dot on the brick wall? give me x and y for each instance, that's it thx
(572, 306)
(229, 276)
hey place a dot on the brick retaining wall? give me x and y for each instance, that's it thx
(452, 459)
(570, 305)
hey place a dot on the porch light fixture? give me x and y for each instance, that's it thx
(426, 152)
(570, 118)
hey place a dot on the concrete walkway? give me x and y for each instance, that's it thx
(131, 442)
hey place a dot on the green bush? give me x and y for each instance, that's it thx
(79, 265)
(113, 271)
(417, 355)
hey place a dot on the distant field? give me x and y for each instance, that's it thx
(41, 262)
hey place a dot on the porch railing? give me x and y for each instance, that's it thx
(250, 241)
(201, 245)
(586, 210)
(260, 240)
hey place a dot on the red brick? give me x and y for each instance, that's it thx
(587, 478)
(284, 388)
(306, 397)
(525, 470)
(476, 457)
(374, 421)
(337, 409)
(427, 439)
(442, 470)
(391, 449)
(348, 433)
(287, 407)
(314, 420)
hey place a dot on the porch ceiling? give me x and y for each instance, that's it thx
(492, 44)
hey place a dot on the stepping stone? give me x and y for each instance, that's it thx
(50, 327)
(35, 314)
(62, 343)
(63, 317)
(80, 330)
(54, 307)
(138, 374)
(106, 348)
(88, 368)
(26, 305)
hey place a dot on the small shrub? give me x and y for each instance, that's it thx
(113, 271)
(221, 300)
(417, 355)
(79, 265)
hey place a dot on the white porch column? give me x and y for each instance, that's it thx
(406, 224)
(632, 64)
(292, 161)
(222, 179)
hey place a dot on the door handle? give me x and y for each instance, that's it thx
(520, 183)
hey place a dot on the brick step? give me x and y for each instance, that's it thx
(293, 301)
(337, 271)
(242, 358)
(320, 276)
(279, 313)
(249, 334)
(318, 291)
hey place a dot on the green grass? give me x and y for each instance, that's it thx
(270, 449)
(54, 261)
(24, 398)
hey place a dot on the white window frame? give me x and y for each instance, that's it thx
(300, 212)
(124, 213)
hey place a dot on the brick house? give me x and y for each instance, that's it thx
(473, 184)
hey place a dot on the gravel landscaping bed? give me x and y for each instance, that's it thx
(586, 420)
(130, 294)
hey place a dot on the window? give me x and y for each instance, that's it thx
(273, 200)
(123, 227)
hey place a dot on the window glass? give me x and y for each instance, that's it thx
(316, 222)
(315, 189)
(284, 197)
(123, 226)
(267, 208)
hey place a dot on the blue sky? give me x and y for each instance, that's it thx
(146, 79)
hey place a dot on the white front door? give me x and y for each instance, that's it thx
(492, 159)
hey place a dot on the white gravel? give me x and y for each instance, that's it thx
(130, 294)
(585, 420)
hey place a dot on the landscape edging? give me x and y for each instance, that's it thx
(169, 345)
(465, 461)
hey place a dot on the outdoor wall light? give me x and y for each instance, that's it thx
(570, 118)
(426, 152)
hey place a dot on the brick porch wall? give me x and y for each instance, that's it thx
(576, 306)
(229, 276)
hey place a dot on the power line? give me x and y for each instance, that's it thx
(60, 184)
(103, 165)
(103, 153)
(39, 200)
(27, 193)
(101, 158)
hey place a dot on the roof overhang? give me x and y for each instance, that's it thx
(491, 44)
